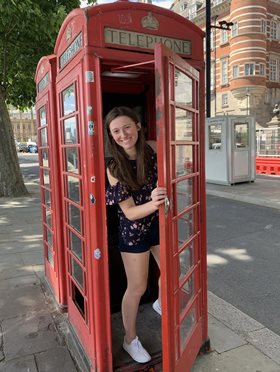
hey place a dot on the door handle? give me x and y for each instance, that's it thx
(166, 205)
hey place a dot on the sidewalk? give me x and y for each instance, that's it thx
(29, 336)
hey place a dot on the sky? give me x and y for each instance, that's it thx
(162, 3)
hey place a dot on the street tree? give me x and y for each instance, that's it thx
(28, 30)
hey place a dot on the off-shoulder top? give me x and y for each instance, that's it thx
(133, 232)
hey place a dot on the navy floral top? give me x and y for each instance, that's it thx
(133, 232)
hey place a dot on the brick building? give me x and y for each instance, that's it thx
(245, 61)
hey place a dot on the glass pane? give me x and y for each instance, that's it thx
(184, 194)
(73, 186)
(241, 138)
(185, 227)
(184, 160)
(46, 176)
(74, 217)
(183, 88)
(186, 261)
(186, 326)
(44, 139)
(68, 100)
(72, 163)
(48, 218)
(50, 256)
(183, 129)
(77, 272)
(47, 198)
(49, 237)
(186, 293)
(70, 131)
(42, 116)
(215, 136)
(45, 158)
(76, 245)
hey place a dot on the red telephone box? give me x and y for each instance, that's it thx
(150, 59)
(50, 183)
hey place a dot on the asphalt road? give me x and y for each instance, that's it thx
(244, 257)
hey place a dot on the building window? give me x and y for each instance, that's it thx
(249, 69)
(273, 70)
(183, 6)
(273, 30)
(224, 70)
(262, 69)
(224, 100)
(234, 29)
(263, 26)
(192, 11)
(224, 36)
(235, 71)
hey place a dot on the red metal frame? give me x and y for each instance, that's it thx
(166, 61)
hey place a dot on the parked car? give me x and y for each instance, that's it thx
(32, 148)
(22, 147)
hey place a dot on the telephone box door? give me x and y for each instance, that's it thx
(179, 120)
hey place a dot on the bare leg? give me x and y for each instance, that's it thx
(136, 267)
(155, 252)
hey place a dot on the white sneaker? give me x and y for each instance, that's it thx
(157, 307)
(136, 351)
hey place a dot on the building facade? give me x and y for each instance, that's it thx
(245, 61)
(24, 125)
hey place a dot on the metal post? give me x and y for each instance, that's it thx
(208, 58)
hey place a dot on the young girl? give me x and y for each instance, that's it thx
(132, 175)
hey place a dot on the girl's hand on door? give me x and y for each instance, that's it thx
(158, 195)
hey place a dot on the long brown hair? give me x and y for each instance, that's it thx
(120, 166)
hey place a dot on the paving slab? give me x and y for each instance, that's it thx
(20, 300)
(33, 258)
(266, 341)
(57, 359)
(14, 247)
(25, 280)
(242, 359)
(223, 338)
(26, 364)
(231, 316)
(30, 333)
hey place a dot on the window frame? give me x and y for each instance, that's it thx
(254, 69)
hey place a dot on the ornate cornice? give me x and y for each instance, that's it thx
(216, 10)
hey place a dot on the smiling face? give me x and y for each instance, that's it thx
(125, 133)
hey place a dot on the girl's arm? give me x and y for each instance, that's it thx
(134, 212)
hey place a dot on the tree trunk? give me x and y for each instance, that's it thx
(11, 181)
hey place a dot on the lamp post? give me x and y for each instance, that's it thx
(223, 25)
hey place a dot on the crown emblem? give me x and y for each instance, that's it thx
(42, 70)
(150, 22)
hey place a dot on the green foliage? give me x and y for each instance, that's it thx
(28, 31)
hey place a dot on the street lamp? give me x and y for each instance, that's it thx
(223, 25)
